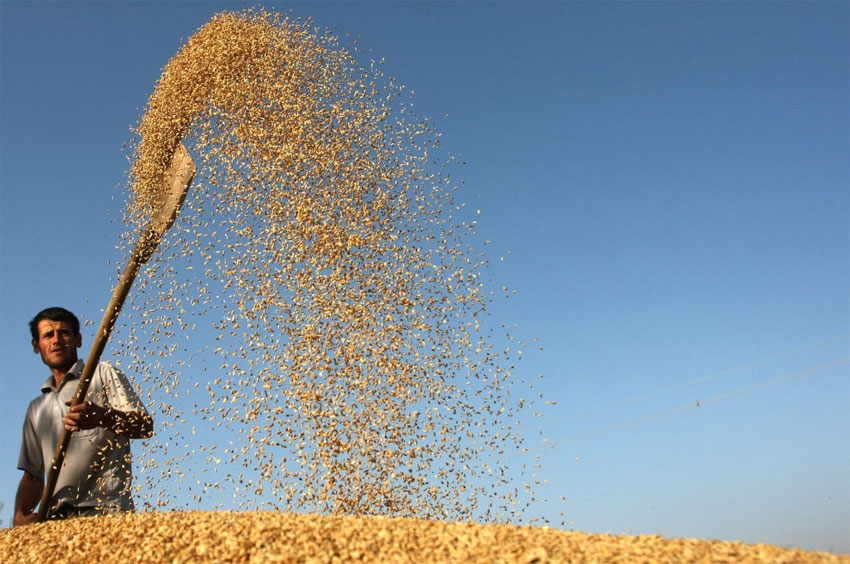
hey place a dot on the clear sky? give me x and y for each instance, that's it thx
(667, 184)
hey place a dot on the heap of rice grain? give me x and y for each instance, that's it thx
(312, 334)
(197, 537)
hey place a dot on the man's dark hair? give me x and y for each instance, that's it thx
(54, 314)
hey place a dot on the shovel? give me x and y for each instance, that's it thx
(175, 184)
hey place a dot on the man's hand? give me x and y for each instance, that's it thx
(133, 424)
(21, 519)
(29, 492)
(85, 416)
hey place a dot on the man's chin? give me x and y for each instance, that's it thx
(59, 364)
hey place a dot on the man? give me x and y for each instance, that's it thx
(96, 475)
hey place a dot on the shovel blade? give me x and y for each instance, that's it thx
(175, 185)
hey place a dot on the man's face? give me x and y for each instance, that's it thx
(57, 344)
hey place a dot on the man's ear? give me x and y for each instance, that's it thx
(79, 340)
(35, 346)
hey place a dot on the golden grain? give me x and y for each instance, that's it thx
(260, 537)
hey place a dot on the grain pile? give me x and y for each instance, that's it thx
(274, 537)
(312, 335)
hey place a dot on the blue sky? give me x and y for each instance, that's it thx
(667, 184)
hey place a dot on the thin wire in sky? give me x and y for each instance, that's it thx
(699, 403)
(704, 379)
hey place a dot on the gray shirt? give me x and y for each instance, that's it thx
(97, 469)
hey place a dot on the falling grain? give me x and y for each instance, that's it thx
(317, 313)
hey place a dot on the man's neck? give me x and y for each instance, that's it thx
(60, 373)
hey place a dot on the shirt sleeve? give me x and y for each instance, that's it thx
(119, 391)
(30, 459)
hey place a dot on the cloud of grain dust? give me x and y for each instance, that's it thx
(312, 334)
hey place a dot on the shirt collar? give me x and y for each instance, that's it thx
(74, 372)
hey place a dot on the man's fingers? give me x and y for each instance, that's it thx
(83, 416)
(72, 420)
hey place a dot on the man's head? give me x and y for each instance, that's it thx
(56, 337)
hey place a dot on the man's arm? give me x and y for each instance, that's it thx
(133, 424)
(29, 494)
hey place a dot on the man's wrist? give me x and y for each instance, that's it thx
(109, 419)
